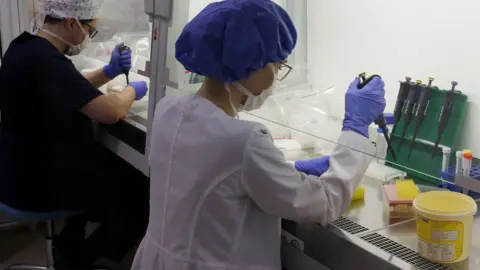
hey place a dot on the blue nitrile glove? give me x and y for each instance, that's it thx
(141, 89)
(315, 167)
(363, 106)
(120, 62)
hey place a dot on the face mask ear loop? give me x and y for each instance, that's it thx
(242, 89)
(227, 87)
(82, 29)
(275, 76)
(57, 37)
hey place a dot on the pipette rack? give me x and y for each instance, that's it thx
(421, 165)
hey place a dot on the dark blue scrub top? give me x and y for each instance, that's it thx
(47, 151)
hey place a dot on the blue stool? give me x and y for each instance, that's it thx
(49, 218)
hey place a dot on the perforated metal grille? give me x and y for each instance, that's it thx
(402, 252)
(349, 226)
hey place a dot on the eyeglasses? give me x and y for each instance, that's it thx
(92, 31)
(283, 71)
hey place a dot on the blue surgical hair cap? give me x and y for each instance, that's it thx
(231, 39)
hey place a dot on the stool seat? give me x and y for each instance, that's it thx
(35, 216)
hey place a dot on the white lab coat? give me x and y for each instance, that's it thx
(219, 187)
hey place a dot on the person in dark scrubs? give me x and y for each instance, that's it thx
(49, 160)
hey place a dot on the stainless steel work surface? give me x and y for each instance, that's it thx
(373, 224)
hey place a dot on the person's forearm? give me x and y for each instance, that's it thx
(97, 77)
(109, 109)
(124, 100)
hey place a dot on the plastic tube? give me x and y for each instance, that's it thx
(467, 165)
(467, 162)
(459, 165)
(431, 143)
(446, 159)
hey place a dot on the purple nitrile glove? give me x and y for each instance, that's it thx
(141, 89)
(120, 62)
(315, 167)
(363, 106)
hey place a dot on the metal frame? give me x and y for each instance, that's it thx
(160, 12)
(50, 258)
(1, 46)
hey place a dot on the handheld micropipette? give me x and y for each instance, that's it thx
(380, 122)
(421, 110)
(401, 98)
(126, 72)
(444, 115)
(413, 95)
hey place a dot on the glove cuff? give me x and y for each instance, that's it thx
(297, 165)
(109, 71)
(360, 130)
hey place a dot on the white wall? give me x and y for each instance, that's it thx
(15, 18)
(422, 38)
(9, 25)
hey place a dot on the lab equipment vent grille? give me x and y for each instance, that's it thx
(402, 252)
(349, 226)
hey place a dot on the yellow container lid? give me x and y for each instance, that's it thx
(445, 203)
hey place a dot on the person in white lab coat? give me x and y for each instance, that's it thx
(219, 186)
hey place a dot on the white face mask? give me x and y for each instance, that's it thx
(253, 102)
(73, 49)
(77, 49)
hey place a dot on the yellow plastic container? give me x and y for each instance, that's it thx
(359, 194)
(406, 189)
(444, 225)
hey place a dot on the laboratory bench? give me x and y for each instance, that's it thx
(362, 239)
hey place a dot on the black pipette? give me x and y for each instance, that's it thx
(380, 122)
(126, 72)
(421, 110)
(409, 109)
(444, 115)
(401, 98)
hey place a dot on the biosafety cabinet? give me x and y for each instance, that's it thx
(150, 28)
(337, 41)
